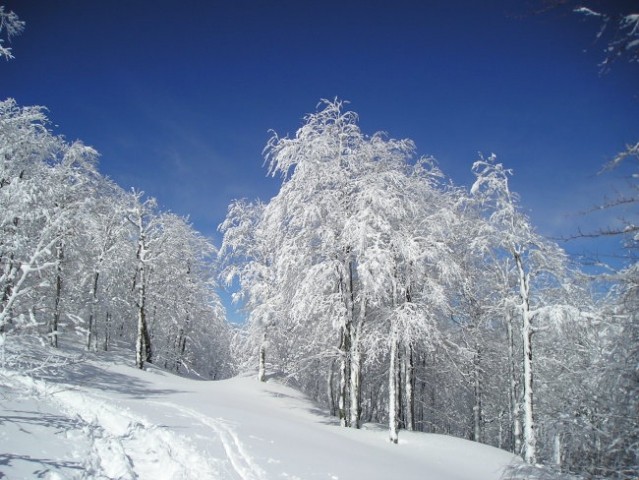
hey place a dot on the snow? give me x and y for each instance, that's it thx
(98, 417)
(587, 11)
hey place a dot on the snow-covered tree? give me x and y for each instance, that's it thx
(73, 182)
(188, 314)
(534, 259)
(309, 220)
(43, 179)
(79, 255)
(247, 258)
(352, 250)
(143, 217)
(106, 241)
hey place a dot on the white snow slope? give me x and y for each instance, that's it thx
(101, 418)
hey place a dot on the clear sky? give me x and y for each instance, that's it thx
(179, 96)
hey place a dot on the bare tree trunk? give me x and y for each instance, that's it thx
(422, 394)
(355, 386)
(513, 392)
(107, 331)
(143, 343)
(356, 371)
(53, 329)
(344, 374)
(557, 453)
(393, 388)
(409, 388)
(477, 393)
(180, 347)
(500, 437)
(530, 439)
(393, 375)
(261, 368)
(329, 389)
(92, 330)
(346, 346)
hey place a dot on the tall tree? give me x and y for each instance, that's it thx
(73, 182)
(247, 257)
(143, 218)
(105, 239)
(532, 256)
(312, 213)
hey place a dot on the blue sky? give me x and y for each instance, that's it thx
(179, 96)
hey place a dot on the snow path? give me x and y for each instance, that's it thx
(242, 462)
(123, 445)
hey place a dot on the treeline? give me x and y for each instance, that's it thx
(80, 256)
(390, 295)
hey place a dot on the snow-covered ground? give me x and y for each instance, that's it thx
(98, 417)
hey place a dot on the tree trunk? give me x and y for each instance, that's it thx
(344, 374)
(345, 287)
(422, 394)
(500, 435)
(513, 392)
(530, 439)
(92, 331)
(143, 344)
(409, 389)
(261, 368)
(557, 453)
(356, 370)
(329, 389)
(477, 392)
(355, 386)
(107, 331)
(180, 347)
(393, 388)
(53, 329)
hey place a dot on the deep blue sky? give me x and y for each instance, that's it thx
(179, 96)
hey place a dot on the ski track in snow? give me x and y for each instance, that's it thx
(242, 463)
(126, 446)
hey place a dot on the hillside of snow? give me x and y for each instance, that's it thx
(69, 414)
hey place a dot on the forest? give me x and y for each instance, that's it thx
(370, 281)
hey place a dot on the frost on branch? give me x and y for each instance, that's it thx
(10, 26)
(620, 29)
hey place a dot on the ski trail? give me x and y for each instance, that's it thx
(126, 446)
(239, 458)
